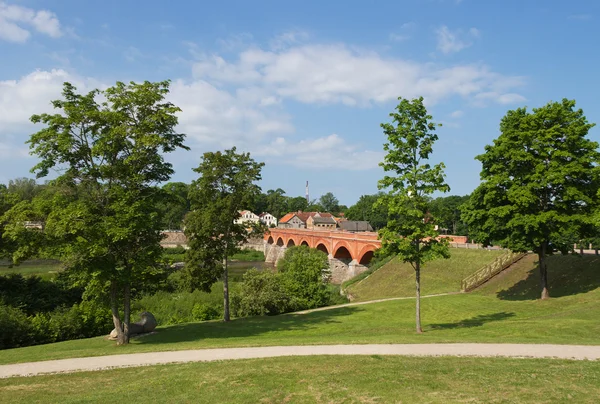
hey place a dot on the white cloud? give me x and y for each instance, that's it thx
(337, 74)
(454, 41)
(508, 98)
(457, 114)
(13, 18)
(288, 39)
(330, 152)
(404, 33)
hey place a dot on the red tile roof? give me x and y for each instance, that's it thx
(287, 218)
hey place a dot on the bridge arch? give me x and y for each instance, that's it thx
(270, 240)
(366, 254)
(304, 242)
(280, 242)
(342, 250)
(291, 243)
(342, 253)
(322, 247)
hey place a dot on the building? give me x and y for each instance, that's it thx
(319, 222)
(246, 216)
(300, 220)
(355, 225)
(268, 219)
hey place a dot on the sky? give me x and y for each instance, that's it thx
(304, 86)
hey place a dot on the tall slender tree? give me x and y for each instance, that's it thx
(226, 185)
(540, 183)
(101, 212)
(410, 233)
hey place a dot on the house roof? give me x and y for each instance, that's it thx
(264, 214)
(355, 225)
(287, 218)
(324, 220)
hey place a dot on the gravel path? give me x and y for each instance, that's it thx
(578, 352)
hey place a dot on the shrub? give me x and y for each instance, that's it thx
(204, 312)
(304, 272)
(174, 251)
(262, 293)
(16, 328)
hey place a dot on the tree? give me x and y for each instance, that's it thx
(305, 272)
(175, 205)
(329, 203)
(409, 232)
(365, 209)
(447, 211)
(539, 186)
(296, 204)
(276, 202)
(227, 184)
(25, 189)
(100, 212)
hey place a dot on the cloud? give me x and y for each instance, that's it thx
(454, 41)
(338, 74)
(509, 98)
(288, 39)
(404, 33)
(329, 152)
(13, 18)
(457, 114)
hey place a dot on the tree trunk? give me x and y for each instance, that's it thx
(225, 291)
(126, 315)
(418, 285)
(114, 308)
(543, 271)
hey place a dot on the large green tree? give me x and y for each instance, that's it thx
(366, 209)
(447, 212)
(100, 212)
(276, 202)
(227, 184)
(329, 203)
(410, 233)
(539, 186)
(175, 205)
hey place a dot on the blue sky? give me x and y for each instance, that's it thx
(304, 86)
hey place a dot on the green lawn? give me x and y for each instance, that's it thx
(323, 379)
(43, 268)
(456, 318)
(397, 279)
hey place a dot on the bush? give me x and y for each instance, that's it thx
(174, 251)
(16, 328)
(262, 293)
(175, 308)
(205, 312)
(305, 272)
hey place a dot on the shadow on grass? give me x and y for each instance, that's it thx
(567, 275)
(246, 327)
(476, 321)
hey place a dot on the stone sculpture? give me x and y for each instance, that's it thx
(145, 325)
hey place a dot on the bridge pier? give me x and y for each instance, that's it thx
(273, 253)
(343, 269)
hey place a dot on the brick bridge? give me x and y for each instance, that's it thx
(348, 253)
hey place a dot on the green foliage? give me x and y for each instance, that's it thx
(226, 185)
(367, 209)
(182, 307)
(296, 204)
(82, 320)
(33, 294)
(174, 206)
(305, 272)
(100, 214)
(374, 265)
(410, 231)
(329, 203)
(540, 183)
(447, 212)
(262, 293)
(248, 255)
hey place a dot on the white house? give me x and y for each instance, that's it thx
(268, 219)
(246, 216)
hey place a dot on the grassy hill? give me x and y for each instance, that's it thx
(567, 275)
(397, 279)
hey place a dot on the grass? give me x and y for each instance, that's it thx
(397, 279)
(456, 318)
(43, 268)
(323, 379)
(248, 255)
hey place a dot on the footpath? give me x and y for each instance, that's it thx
(575, 352)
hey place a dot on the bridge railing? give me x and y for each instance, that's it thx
(488, 271)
